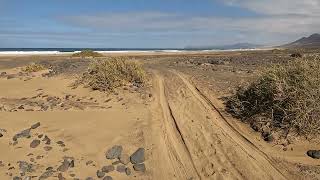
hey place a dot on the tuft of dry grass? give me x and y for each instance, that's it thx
(286, 96)
(87, 53)
(108, 74)
(33, 67)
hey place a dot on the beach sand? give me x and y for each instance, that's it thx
(178, 119)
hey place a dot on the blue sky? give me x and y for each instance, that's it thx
(154, 23)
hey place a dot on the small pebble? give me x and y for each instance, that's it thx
(100, 174)
(35, 126)
(47, 148)
(107, 178)
(121, 168)
(128, 171)
(139, 167)
(107, 169)
(35, 143)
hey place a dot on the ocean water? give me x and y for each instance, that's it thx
(74, 50)
(53, 51)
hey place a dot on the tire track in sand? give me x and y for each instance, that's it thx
(239, 156)
(174, 152)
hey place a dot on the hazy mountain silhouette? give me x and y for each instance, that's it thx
(312, 41)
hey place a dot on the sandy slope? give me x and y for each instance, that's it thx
(183, 130)
(87, 131)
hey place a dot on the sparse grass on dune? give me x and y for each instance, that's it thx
(108, 74)
(33, 67)
(287, 96)
(87, 53)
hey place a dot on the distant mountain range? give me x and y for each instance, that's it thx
(312, 41)
(227, 47)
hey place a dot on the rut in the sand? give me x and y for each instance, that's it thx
(200, 142)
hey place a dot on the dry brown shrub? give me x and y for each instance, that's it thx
(87, 53)
(108, 74)
(288, 95)
(33, 67)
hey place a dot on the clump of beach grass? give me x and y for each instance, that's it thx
(285, 96)
(108, 74)
(33, 67)
(87, 53)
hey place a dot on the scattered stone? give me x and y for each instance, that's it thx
(71, 164)
(47, 148)
(40, 136)
(30, 154)
(315, 154)
(35, 143)
(47, 140)
(114, 152)
(14, 143)
(2, 74)
(27, 178)
(121, 168)
(107, 169)
(89, 162)
(32, 160)
(64, 166)
(1, 135)
(39, 157)
(139, 167)
(23, 134)
(72, 175)
(138, 156)
(49, 168)
(35, 126)
(17, 178)
(21, 107)
(89, 178)
(107, 178)
(100, 174)
(267, 137)
(25, 167)
(61, 143)
(11, 76)
(60, 177)
(128, 171)
(46, 175)
(266, 134)
(116, 162)
(108, 100)
(124, 159)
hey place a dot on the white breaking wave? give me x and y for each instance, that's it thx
(28, 52)
(124, 51)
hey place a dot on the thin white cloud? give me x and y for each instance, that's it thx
(285, 26)
(279, 7)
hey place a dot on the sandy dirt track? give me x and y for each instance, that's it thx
(199, 141)
(179, 122)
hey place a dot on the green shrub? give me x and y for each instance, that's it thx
(87, 53)
(288, 95)
(108, 74)
(33, 67)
